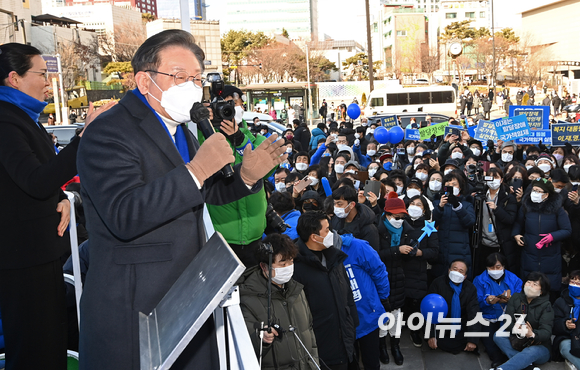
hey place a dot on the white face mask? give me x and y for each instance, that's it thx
(435, 185)
(339, 168)
(494, 185)
(399, 189)
(558, 190)
(280, 186)
(178, 100)
(528, 167)
(574, 183)
(455, 191)
(416, 165)
(314, 181)
(283, 274)
(456, 277)
(371, 152)
(545, 167)
(412, 192)
(239, 114)
(372, 172)
(357, 136)
(289, 150)
(342, 147)
(301, 166)
(421, 176)
(341, 212)
(476, 152)
(419, 154)
(328, 240)
(410, 150)
(495, 274)
(397, 224)
(447, 171)
(532, 292)
(415, 212)
(456, 155)
(507, 157)
(536, 197)
(372, 130)
(567, 167)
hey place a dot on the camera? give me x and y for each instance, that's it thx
(273, 221)
(222, 109)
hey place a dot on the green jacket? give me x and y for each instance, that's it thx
(243, 221)
(289, 307)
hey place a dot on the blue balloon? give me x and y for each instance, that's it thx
(353, 111)
(397, 134)
(382, 135)
(436, 304)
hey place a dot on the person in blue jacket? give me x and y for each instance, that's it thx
(370, 287)
(454, 216)
(370, 157)
(283, 204)
(317, 134)
(495, 287)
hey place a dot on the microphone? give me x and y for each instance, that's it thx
(200, 115)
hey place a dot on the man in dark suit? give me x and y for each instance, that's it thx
(145, 179)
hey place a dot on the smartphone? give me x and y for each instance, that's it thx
(424, 124)
(455, 131)
(302, 184)
(447, 190)
(372, 186)
(575, 188)
(400, 151)
(516, 184)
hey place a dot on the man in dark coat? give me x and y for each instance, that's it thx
(301, 133)
(519, 97)
(462, 104)
(143, 196)
(323, 110)
(556, 101)
(546, 101)
(486, 107)
(319, 267)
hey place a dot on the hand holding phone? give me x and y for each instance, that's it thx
(302, 184)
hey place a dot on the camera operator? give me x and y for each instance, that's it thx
(242, 222)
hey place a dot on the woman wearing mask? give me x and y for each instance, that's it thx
(415, 260)
(498, 214)
(434, 185)
(541, 225)
(569, 161)
(495, 286)
(517, 176)
(415, 188)
(546, 163)
(454, 215)
(407, 159)
(558, 154)
(566, 324)
(536, 330)
(476, 149)
(315, 173)
(412, 167)
(422, 173)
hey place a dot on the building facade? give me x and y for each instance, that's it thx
(477, 12)
(298, 17)
(15, 16)
(169, 9)
(336, 51)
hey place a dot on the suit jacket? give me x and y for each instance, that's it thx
(144, 217)
(31, 175)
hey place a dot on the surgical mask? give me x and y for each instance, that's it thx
(419, 154)
(532, 292)
(372, 130)
(283, 274)
(371, 152)
(314, 181)
(289, 150)
(339, 168)
(536, 197)
(574, 290)
(415, 212)
(412, 192)
(545, 167)
(456, 277)
(342, 147)
(399, 189)
(559, 158)
(455, 191)
(410, 150)
(456, 155)
(476, 152)
(328, 240)
(239, 114)
(435, 185)
(301, 166)
(421, 176)
(507, 157)
(528, 167)
(397, 224)
(557, 190)
(447, 171)
(178, 100)
(334, 135)
(495, 274)
(372, 172)
(494, 185)
(341, 212)
(280, 186)
(357, 136)
(567, 167)
(416, 165)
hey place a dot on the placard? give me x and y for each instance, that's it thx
(545, 136)
(485, 131)
(437, 130)
(448, 129)
(51, 63)
(389, 121)
(538, 116)
(412, 134)
(563, 133)
(510, 128)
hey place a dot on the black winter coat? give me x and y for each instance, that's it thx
(329, 295)
(505, 217)
(562, 308)
(415, 268)
(534, 219)
(362, 226)
(302, 134)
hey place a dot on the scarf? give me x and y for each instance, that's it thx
(455, 303)
(395, 233)
(576, 305)
(180, 141)
(31, 106)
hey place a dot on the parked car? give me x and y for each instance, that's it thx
(64, 133)
(572, 108)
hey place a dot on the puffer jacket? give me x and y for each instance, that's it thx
(534, 219)
(362, 226)
(415, 268)
(291, 219)
(289, 308)
(505, 217)
(484, 283)
(329, 295)
(563, 307)
(454, 228)
(317, 134)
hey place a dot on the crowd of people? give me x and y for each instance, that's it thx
(341, 217)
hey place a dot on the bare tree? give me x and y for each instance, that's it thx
(122, 44)
(430, 62)
(77, 58)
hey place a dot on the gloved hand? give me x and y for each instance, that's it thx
(257, 163)
(452, 199)
(212, 156)
(386, 305)
(547, 240)
(490, 145)
(357, 142)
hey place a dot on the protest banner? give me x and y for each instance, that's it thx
(485, 131)
(538, 116)
(510, 128)
(389, 121)
(437, 130)
(563, 133)
(545, 136)
(412, 134)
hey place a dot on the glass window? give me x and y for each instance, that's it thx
(401, 33)
(377, 102)
(469, 14)
(481, 14)
(450, 15)
(397, 99)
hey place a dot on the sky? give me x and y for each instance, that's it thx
(334, 15)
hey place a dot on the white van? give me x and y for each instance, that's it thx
(432, 99)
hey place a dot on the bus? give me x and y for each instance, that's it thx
(76, 98)
(432, 99)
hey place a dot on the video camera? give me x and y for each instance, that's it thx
(222, 109)
(475, 174)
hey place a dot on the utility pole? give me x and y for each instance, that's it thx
(493, 42)
(23, 31)
(370, 48)
(309, 89)
(184, 13)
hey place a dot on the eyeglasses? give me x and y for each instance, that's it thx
(398, 217)
(181, 78)
(538, 192)
(43, 74)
